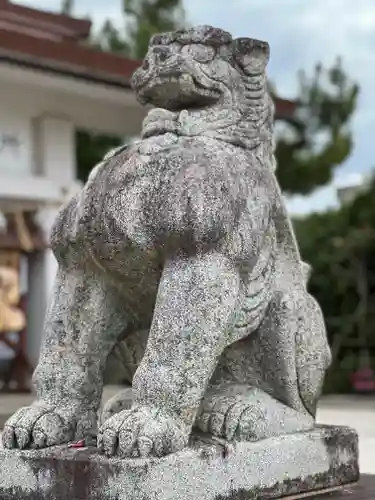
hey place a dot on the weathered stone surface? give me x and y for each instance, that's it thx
(179, 254)
(325, 457)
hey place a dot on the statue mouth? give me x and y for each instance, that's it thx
(177, 87)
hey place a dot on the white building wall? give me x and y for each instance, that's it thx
(42, 272)
(54, 155)
(100, 108)
(42, 113)
(42, 147)
(15, 141)
(55, 148)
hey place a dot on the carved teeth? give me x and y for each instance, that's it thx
(186, 79)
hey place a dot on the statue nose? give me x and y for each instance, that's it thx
(161, 53)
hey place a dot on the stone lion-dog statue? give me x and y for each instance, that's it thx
(179, 250)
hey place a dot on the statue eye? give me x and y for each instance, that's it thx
(201, 53)
(162, 53)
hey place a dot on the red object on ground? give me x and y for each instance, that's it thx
(363, 380)
(78, 444)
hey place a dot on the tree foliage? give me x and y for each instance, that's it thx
(147, 17)
(340, 246)
(143, 18)
(111, 39)
(318, 139)
(90, 150)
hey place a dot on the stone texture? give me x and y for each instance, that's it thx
(179, 257)
(178, 254)
(325, 457)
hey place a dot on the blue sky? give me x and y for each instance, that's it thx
(301, 33)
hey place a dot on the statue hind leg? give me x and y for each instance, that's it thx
(238, 412)
(269, 383)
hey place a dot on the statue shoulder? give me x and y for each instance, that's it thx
(112, 154)
(116, 151)
(209, 202)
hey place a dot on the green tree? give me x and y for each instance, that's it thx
(147, 17)
(143, 18)
(340, 245)
(318, 139)
(111, 39)
(90, 150)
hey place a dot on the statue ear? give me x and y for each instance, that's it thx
(251, 55)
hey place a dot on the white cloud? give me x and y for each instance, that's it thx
(320, 201)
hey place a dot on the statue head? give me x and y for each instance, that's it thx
(200, 67)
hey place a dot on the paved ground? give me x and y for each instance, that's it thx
(357, 412)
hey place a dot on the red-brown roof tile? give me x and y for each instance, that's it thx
(66, 55)
(49, 22)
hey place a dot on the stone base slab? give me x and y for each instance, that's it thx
(324, 458)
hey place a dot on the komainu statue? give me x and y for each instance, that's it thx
(179, 251)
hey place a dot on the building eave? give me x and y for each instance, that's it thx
(65, 71)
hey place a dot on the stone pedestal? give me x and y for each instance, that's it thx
(323, 459)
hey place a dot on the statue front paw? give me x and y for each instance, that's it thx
(41, 425)
(142, 432)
